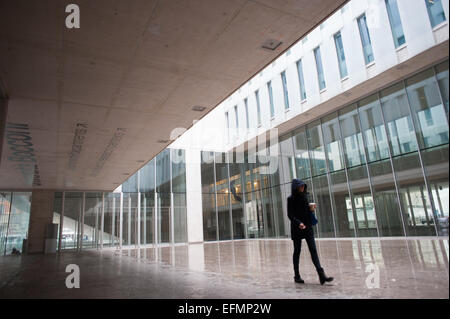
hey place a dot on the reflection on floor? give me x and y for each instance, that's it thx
(407, 268)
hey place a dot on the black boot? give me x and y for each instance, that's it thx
(299, 279)
(322, 277)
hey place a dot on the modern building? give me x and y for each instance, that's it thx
(177, 127)
(358, 108)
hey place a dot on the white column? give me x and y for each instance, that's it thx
(194, 196)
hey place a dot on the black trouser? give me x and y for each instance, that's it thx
(312, 250)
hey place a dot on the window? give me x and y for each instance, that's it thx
(272, 108)
(258, 107)
(396, 23)
(365, 39)
(435, 12)
(301, 80)
(236, 119)
(340, 55)
(227, 119)
(246, 113)
(322, 84)
(285, 90)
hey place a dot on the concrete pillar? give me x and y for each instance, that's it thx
(194, 196)
(41, 214)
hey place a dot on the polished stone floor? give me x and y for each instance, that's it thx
(363, 268)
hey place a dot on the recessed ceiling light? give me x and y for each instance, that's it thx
(271, 44)
(198, 108)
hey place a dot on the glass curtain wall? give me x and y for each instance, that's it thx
(14, 220)
(152, 202)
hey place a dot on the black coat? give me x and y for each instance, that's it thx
(299, 212)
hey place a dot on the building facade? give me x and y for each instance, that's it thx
(359, 108)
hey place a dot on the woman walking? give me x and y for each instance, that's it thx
(300, 214)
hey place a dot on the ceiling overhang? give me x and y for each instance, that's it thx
(88, 107)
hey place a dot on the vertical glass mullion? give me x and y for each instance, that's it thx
(230, 209)
(430, 194)
(215, 202)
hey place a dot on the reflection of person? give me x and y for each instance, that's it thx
(299, 212)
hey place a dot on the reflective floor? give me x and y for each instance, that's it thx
(365, 268)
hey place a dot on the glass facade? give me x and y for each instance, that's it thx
(435, 12)
(151, 208)
(396, 23)
(375, 168)
(14, 220)
(365, 39)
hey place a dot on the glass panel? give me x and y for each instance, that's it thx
(5, 207)
(92, 220)
(416, 205)
(223, 197)
(365, 39)
(319, 66)
(208, 197)
(287, 159)
(435, 161)
(302, 163)
(163, 195)
(332, 141)
(147, 217)
(111, 234)
(237, 199)
(301, 80)
(442, 76)
(396, 23)
(246, 113)
(341, 55)
(57, 211)
(385, 198)
(18, 221)
(179, 195)
(316, 149)
(341, 198)
(258, 107)
(373, 129)
(272, 107)
(398, 120)
(324, 210)
(254, 208)
(285, 90)
(366, 224)
(429, 113)
(352, 136)
(73, 206)
(435, 12)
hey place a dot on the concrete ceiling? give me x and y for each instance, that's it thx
(93, 102)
